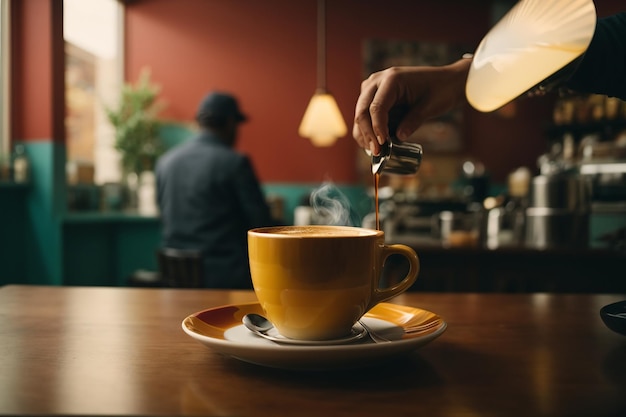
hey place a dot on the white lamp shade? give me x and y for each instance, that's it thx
(534, 40)
(322, 121)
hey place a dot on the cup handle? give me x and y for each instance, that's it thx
(383, 294)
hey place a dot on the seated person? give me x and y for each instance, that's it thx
(209, 196)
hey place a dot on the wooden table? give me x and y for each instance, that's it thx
(121, 351)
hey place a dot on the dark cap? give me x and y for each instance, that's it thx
(220, 106)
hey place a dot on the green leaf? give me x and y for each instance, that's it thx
(136, 124)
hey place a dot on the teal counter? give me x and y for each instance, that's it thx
(106, 248)
(13, 231)
(96, 248)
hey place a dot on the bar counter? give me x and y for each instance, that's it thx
(122, 352)
(518, 269)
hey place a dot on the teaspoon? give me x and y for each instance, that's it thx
(257, 323)
(261, 326)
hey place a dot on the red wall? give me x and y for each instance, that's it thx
(37, 71)
(265, 53)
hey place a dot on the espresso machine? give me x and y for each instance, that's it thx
(607, 177)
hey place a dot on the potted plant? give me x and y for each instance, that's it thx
(137, 126)
(137, 139)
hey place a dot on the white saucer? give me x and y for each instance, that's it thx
(221, 330)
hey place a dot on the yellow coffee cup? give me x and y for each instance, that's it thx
(315, 282)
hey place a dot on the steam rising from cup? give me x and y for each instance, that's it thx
(332, 207)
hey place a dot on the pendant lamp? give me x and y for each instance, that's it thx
(322, 121)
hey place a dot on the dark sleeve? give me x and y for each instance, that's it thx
(251, 196)
(602, 69)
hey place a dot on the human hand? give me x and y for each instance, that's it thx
(411, 95)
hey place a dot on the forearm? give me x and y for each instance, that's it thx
(460, 69)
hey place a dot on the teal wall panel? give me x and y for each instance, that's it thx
(172, 133)
(605, 223)
(45, 206)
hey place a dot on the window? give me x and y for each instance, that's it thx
(93, 33)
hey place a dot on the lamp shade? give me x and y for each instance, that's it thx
(322, 121)
(533, 41)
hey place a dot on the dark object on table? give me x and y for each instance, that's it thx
(614, 316)
(144, 278)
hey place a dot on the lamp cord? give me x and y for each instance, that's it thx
(321, 45)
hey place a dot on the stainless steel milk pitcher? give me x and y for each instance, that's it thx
(400, 158)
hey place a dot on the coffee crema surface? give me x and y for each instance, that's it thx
(318, 231)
